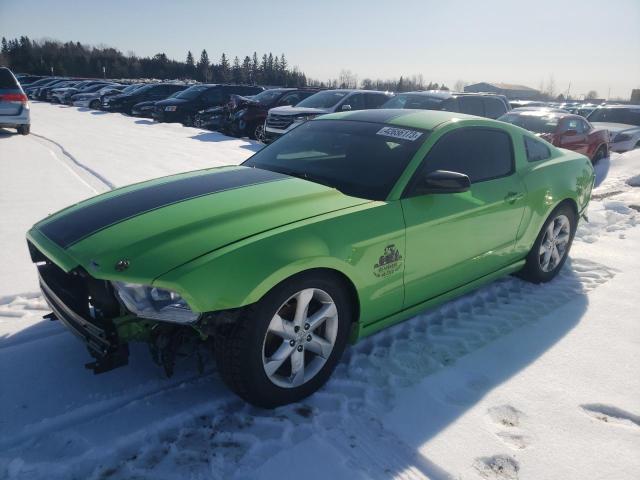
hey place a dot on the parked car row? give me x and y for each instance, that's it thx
(266, 114)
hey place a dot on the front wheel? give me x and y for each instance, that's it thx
(257, 132)
(551, 248)
(95, 104)
(286, 346)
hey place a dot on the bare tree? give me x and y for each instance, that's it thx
(459, 85)
(591, 94)
(551, 87)
(348, 79)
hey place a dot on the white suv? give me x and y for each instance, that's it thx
(14, 105)
(623, 123)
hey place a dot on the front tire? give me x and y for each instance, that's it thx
(257, 132)
(286, 346)
(551, 248)
(95, 104)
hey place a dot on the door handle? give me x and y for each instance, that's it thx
(513, 197)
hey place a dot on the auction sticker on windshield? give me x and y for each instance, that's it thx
(400, 133)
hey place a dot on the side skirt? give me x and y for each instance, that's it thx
(366, 330)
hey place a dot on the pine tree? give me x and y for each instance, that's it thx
(5, 46)
(203, 66)
(246, 69)
(225, 69)
(190, 66)
(236, 71)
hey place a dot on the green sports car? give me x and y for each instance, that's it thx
(350, 223)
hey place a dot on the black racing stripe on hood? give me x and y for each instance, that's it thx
(79, 224)
(382, 115)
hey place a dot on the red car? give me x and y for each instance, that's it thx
(563, 130)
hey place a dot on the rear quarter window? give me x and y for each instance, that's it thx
(7, 79)
(536, 150)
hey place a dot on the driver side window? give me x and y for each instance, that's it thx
(356, 101)
(480, 153)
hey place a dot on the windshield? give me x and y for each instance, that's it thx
(615, 115)
(533, 123)
(415, 101)
(192, 92)
(141, 89)
(268, 96)
(325, 99)
(360, 159)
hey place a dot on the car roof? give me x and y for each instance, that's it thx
(423, 119)
(444, 94)
(629, 107)
(543, 113)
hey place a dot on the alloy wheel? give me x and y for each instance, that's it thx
(554, 243)
(300, 338)
(258, 133)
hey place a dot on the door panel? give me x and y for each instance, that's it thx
(453, 239)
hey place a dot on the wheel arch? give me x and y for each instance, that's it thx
(347, 282)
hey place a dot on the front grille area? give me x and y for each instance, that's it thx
(86, 306)
(281, 122)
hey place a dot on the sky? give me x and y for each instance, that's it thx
(579, 44)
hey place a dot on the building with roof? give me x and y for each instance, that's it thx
(511, 91)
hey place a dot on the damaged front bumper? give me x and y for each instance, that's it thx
(69, 295)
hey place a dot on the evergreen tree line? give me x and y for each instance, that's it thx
(347, 79)
(47, 57)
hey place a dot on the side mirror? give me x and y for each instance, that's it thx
(443, 181)
(346, 107)
(570, 133)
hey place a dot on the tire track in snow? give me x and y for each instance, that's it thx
(231, 442)
(104, 182)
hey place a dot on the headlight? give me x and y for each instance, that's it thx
(622, 137)
(155, 303)
(303, 118)
(170, 108)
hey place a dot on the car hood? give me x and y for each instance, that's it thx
(288, 110)
(87, 95)
(145, 103)
(172, 101)
(158, 225)
(615, 127)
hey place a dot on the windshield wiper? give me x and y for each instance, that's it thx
(306, 176)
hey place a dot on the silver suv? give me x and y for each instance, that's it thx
(282, 119)
(480, 104)
(14, 105)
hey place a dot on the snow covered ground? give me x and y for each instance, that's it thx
(512, 381)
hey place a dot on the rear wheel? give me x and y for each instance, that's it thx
(600, 154)
(287, 345)
(94, 104)
(551, 248)
(24, 129)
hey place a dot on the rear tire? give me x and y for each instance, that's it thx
(278, 351)
(95, 104)
(551, 248)
(24, 129)
(600, 154)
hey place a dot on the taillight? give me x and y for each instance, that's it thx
(13, 97)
